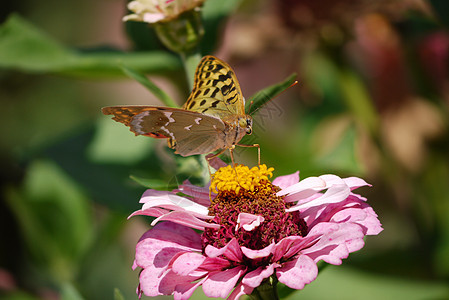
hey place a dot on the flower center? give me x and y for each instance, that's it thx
(240, 177)
(245, 190)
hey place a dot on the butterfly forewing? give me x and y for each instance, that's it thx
(190, 132)
(216, 90)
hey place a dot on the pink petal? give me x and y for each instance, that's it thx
(248, 221)
(149, 282)
(148, 194)
(231, 250)
(186, 219)
(255, 278)
(187, 263)
(170, 281)
(337, 241)
(174, 202)
(215, 263)
(371, 223)
(185, 290)
(361, 214)
(220, 284)
(239, 291)
(154, 283)
(306, 185)
(200, 194)
(158, 245)
(336, 193)
(286, 180)
(152, 212)
(287, 247)
(355, 182)
(297, 273)
(255, 254)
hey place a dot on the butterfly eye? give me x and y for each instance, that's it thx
(249, 124)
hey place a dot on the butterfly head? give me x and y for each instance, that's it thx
(247, 123)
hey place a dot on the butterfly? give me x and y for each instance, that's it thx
(213, 117)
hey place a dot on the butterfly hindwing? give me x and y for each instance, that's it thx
(190, 132)
(216, 90)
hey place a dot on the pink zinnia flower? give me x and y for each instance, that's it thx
(253, 232)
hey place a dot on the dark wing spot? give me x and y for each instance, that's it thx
(214, 93)
(215, 103)
(223, 77)
(230, 100)
(202, 102)
(206, 91)
(225, 90)
(218, 68)
(192, 104)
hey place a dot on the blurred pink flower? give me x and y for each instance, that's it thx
(153, 11)
(280, 230)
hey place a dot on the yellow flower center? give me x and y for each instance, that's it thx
(240, 177)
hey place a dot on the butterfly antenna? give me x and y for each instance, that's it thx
(250, 105)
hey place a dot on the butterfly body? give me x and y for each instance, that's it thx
(212, 118)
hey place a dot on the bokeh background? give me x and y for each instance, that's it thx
(372, 101)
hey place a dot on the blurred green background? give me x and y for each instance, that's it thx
(372, 101)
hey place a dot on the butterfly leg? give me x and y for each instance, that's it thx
(208, 159)
(253, 146)
(231, 152)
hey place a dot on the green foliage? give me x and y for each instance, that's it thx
(153, 88)
(118, 295)
(55, 219)
(24, 47)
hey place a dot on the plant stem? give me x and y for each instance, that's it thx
(190, 60)
(267, 290)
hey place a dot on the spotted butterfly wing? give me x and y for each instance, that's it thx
(212, 118)
(216, 90)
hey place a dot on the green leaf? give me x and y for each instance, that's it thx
(113, 143)
(24, 47)
(55, 219)
(69, 292)
(118, 295)
(265, 95)
(153, 88)
(154, 183)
